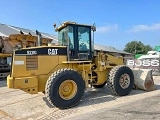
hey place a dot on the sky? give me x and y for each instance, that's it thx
(117, 21)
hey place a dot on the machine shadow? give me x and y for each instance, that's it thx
(3, 83)
(157, 86)
(97, 96)
(91, 97)
(101, 96)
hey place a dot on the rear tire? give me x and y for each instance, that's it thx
(64, 88)
(121, 80)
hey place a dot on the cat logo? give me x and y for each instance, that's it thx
(52, 51)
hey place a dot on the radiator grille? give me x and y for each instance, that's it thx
(31, 62)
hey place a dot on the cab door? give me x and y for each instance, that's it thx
(81, 49)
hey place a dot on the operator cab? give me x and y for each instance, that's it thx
(77, 38)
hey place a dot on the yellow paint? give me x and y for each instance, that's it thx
(34, 81)
(5, 55)
(25, 82)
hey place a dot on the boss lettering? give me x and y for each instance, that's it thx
(155, 62)
(52, 51)
(143, 63)
(130, 62)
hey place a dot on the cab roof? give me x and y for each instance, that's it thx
(64, 24)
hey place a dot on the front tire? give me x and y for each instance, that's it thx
(64, 88)
(121, 80)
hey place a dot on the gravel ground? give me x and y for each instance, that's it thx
(96, 104)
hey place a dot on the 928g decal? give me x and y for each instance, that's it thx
(31, 52)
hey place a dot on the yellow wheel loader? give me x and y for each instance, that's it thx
(64, 71)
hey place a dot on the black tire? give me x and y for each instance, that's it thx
(113, 81)
(100, 86)
(53, 88)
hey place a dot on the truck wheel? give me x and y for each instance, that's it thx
(99, 86)
(64, 88)
(120, 80)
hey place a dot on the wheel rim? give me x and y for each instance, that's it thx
(67, 89)
(124, 81)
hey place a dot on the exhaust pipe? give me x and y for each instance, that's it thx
(39, 38)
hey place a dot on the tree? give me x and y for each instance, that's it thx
(137, 47)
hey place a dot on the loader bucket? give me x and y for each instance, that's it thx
(143, 79)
